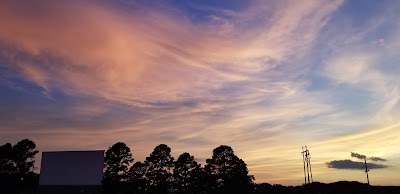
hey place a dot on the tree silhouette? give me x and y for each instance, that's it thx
(187, 174)
(16, 166)
(159, 164)
(226, 173)
(23, 154)
(118, 158)
(6, 160)
(137, 177)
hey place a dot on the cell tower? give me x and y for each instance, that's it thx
(307, 163)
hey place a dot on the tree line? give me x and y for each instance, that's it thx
(224, 172)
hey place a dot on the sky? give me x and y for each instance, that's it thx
(264, 77)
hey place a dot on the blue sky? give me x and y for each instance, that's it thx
(265, 77)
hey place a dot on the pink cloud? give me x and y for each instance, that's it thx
(149, 57)
(138, 57)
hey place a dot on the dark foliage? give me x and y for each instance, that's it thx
(19, 159)
(137, 177)
(24, 156)
(6, 159)
(116, 162)
(188, 176)
(226, 173)
(159, 165)
(16, 167)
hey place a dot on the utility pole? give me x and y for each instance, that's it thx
(304, 165)
(365, 158)
(366, 169)
(308, 172)
(307, 162)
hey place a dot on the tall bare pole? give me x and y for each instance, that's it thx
(309, 161)
(308, 173)
(366, 168)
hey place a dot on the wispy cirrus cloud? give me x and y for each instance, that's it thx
(135, 63)
(217, 74)
(145, 75)
(143, 65)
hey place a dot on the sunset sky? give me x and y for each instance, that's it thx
(264, 77)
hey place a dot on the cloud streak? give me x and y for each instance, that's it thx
(353, 165)
(359, 156)
(373, 158)
(376, 159)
